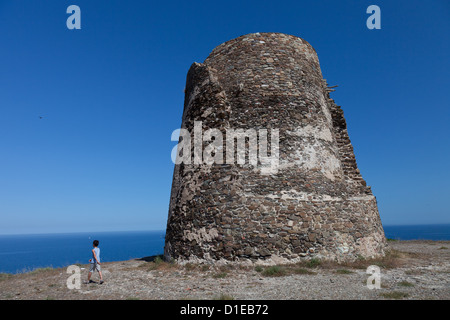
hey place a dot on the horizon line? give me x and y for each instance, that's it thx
(164, 230)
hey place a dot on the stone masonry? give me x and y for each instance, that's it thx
(315, 205)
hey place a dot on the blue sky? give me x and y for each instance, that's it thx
(112, 93)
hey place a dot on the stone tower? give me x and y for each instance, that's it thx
(316, 204)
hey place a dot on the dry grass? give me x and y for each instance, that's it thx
(392, 259)
(220, 275)
(343, 271)
(259, 269)
(204, 268)
(414, 272)
(223, 296)
(405, 284)
(40, 270)
(159, 264)
(303, 271)
(394, 295)
(289, 269)
(4, 276)
(274, 271)
(191, 266)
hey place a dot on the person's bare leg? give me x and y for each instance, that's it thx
(100, 273)
(89, 276)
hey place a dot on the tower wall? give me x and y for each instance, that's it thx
(314, 204)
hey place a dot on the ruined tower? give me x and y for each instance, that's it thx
(315, 204)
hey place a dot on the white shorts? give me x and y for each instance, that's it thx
(94, 266)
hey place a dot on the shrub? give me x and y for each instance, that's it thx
(343, 271)
(313, 263)
(274, 271)
(405, 284)
(204, 268)
(303, 271)
(220, 275)
(394, 295)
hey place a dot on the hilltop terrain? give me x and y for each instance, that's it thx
(413, 270)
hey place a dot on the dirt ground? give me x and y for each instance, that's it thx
(413, 270)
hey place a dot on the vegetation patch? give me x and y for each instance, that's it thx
(190, 266)
(303, 271)
(204, 268)
(274, 271)
(220, 275)
(4, 276)
(392, 259)
(414, 272)
(159, 264)
(343, 271)
(405, 284)
(313, 263)
(259, 269)
(40, 270)
(395, 295)
(223, 296)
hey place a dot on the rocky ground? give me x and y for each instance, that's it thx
(413, 270)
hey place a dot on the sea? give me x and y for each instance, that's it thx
(25, 253)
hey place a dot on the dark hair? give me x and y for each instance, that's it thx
(96, 243)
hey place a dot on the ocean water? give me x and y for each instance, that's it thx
(22, 253)
(418, 232)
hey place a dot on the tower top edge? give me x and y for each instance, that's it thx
(261, 37)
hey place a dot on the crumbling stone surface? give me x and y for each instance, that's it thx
(315, 205)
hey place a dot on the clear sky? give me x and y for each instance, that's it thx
(111, 94)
